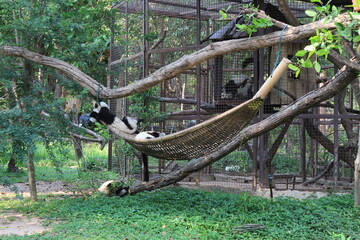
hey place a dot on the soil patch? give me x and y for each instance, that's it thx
(12, 222)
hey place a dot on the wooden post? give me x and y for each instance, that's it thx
(145, 168)
(302, 133)
(218, 75)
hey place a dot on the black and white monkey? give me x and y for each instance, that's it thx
(129, 125)
(103, 115)
(110, 189)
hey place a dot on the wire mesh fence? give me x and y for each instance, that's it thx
(154, 33)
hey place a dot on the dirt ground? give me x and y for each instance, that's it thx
(12, 222)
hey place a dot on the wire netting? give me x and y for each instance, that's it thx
(172, 29)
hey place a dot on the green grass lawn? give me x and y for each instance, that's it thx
(177, 213)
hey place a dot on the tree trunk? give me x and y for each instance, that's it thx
(12, 162)
(11, 167)
(31, 176)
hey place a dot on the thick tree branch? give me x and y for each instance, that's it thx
(184, 63)
(347, 123)
(272, 151)
(345, 153)
(314, 179)
(285, 9)
(262, 14)
(340, 61)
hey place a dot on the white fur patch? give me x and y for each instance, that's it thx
(147, 135)
(104, 187)
(133, 122)
(119, 126)
(92, 119)
(103, 104)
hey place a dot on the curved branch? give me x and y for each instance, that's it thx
(184, 63)
(314, 179)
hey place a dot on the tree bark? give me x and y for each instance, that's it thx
(314, 179)
(11, 167)
(285, 9)
(31, 176)
(272, 151)
(345, 153)
(184, 63)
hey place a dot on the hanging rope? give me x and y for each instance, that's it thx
(98, 92)
(278, 54)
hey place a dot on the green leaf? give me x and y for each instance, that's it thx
(300, 53)
(242, 27)
(307, 64)
(357, 38)
(340, 26)
(322, 52)
(223, 14)
(310, 13)
(317, 66)
(293, 67)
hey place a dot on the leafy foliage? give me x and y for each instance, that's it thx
(145, 106)
(74, 31)
(325, 40)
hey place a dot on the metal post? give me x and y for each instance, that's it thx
(145, 42)
(336, 140)
(270, 185)
(198, 67)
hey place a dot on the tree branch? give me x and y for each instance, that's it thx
(314, 179)
(347, 123)
(286, 11)
(272, 151)
(340, 61)
(345, 153)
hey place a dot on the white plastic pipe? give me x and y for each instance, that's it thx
(273, 79)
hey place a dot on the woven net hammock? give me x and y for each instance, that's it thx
(210, 135)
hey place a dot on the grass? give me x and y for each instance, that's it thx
(177, 213)
(174, 212)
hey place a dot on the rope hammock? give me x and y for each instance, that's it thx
(210, 135)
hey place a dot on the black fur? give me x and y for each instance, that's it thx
(155, 134)
(106, 116)
(122, 192)
(95, 115)
(125, 120)
(231, 87)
